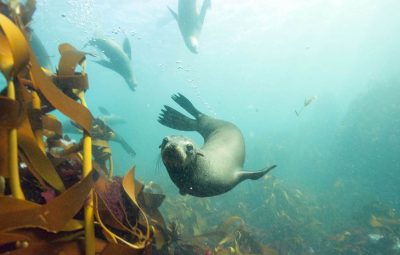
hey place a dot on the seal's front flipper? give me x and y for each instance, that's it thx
(186, 104)
(173, 14)
(103, 110)
(126, 46)
(105, 63)
(172, 118)
(255, 175)
(206, 5)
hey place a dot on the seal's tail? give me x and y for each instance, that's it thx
(172, 118)
(255, 175)
(186, 104)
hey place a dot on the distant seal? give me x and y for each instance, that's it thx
(117, 59)
(215, 168)
(110, 118)
(190, 21)
(40, 51)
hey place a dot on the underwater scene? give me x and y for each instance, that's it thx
(209, 127)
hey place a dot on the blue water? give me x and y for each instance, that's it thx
(257, 63)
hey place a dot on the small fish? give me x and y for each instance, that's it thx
(307, 102)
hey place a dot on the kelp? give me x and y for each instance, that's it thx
(128, 220)
(373, 229)
(51, 220)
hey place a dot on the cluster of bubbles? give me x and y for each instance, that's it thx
(192, 83)
(81, 15)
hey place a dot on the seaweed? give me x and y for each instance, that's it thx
(53, 199)
(58, 196)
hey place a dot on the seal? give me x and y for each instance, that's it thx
(215, 168)
(40, 51)
(100, 131)
(110, 118)
(190, 21)
(117, 59)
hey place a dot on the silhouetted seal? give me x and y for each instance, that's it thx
(191, 21)
(215, 168)
(116, 58)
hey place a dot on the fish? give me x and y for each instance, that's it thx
(307, 102)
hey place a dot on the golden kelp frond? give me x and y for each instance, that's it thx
(56, 174)
(67, 79)
(15, 54)
(51, 217)
(130, 189)
(36, 157)
(78, 113)
(125, 214)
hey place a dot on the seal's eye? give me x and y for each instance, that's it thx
(189, 148)
(164, 142)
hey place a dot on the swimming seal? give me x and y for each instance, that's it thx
(40, 51)
(190, 21)
(116, 58)
(215, 168)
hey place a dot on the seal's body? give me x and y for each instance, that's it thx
(40, 51)
(215, 168)
(117, 58)
(190, 21)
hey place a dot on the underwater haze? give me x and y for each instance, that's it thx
(259, 61)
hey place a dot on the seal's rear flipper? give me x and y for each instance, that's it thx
(173, 13)
(172, 118)
(125, 145)
(186, 104)
(255, 175)
(126, 46)
(206, 5)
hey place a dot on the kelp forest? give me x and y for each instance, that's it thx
(60, 196)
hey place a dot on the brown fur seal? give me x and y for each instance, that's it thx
(215, 168)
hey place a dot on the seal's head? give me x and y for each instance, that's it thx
(178, 152)
(132, 83)
(193, 44)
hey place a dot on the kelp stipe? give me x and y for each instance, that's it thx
(50, 219)
(14, 58)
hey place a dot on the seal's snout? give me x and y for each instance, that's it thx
(193, 44)
(170, 148)
(176, 151)
(172, 155)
